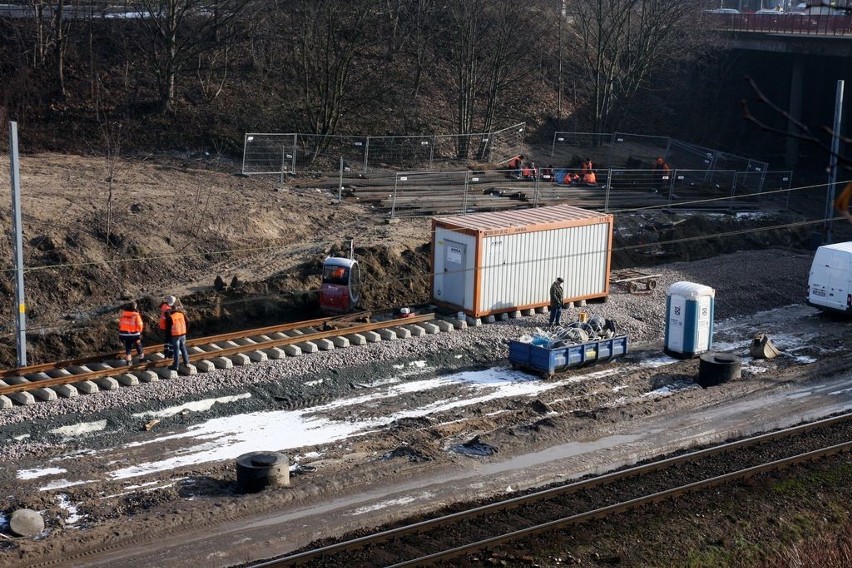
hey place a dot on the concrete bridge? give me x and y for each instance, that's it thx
(798, 58)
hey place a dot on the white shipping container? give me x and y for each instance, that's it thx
(490, 263)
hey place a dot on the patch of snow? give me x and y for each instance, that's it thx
(40, 472)
(385, 504)
(62, 483)
(64, 502)
(79, 429)
(196, 406)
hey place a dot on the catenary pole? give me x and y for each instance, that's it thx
(17, 230)
(832, 162)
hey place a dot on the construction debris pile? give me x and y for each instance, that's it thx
(582, 330)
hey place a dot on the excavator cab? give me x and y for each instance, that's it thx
(340, 291)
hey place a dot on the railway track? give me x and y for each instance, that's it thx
(68, 379)
(497, 524)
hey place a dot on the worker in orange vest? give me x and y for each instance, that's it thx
(662, 172)
(165, 307)
(176, 325)
(130, 328)
(515, 165)
(842, 202)
(589, 178)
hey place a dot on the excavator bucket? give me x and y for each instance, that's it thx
(762, 347)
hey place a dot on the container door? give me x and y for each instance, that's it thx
(454, 273)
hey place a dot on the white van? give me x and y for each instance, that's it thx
(830, 279)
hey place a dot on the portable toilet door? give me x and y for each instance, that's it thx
(340, 291)
(689, 319)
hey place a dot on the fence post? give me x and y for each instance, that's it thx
(673, 176)
(464, 195)
(393, 200)
(283, 166)
(293, 163)
(432, 151)
(366, 153)
(340, 183)
(733, 192)
(607, 188)
(535, 190)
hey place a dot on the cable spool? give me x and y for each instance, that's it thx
(257, 470)
(717, 368)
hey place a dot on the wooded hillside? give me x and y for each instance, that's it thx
(195, 75)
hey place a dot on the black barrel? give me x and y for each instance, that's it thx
(717, 368)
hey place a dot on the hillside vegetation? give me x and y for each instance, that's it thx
(194, 75)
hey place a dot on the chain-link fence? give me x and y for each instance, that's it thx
(289, 153)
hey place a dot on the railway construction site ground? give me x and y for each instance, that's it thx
(145, 475)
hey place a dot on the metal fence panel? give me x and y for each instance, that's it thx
(570, 148)
(291, 152)
(504, 144)
(636, 151)
(265, 153)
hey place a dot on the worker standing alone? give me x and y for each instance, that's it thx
(662, 172)
(557, 296)
(176, 325)
(130, 328)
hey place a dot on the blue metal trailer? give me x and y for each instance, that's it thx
(550, 360)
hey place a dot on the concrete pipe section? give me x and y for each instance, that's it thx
(258, 470)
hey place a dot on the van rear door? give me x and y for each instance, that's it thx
(829, 280)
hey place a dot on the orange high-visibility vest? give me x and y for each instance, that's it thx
(842, 201)
(164, 309)
(130, 322)
(178, 324)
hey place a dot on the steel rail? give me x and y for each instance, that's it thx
(624, 506)
(222, 352)
(606, 479)
(20, 371)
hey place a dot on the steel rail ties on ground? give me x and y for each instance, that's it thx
(584, 485)
(21, 371)
(46, 383)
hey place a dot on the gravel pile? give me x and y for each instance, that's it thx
(745, 282)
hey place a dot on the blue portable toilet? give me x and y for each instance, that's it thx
(689, 319)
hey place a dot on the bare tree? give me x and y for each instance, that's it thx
(487, 47)
(328, 40)
(619, 43)
(178, 31)
(50, 36)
